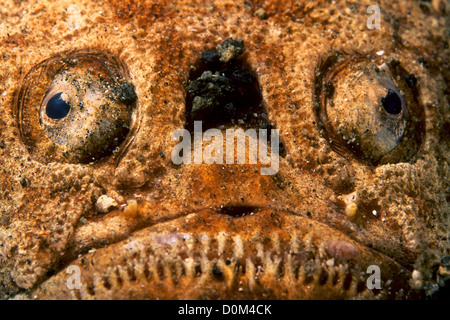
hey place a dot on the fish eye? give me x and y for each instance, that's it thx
(76, 108)
(366, 108)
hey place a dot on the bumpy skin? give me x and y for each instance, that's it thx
(173, 241)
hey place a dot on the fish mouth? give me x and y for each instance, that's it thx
(229, 252)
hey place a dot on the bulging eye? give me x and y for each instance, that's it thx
(366, 108)
(76, 108)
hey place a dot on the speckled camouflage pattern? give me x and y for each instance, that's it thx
(167, 237)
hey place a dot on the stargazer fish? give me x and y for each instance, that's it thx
(94, 206)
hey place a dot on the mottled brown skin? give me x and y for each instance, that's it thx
(177, 243)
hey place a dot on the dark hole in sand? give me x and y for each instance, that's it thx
(223, 92)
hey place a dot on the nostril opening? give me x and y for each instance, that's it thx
(238, 211)
(223, 91)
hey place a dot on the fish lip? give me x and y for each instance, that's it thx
(164, 244)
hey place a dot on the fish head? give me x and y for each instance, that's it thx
(117, 182)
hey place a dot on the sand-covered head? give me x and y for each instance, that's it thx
(92, 92)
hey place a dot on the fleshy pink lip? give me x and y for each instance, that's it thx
(292, 245)
(115, 227)
(250, 234)
(94, 236)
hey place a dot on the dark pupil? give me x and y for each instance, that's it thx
(392, 102)
(57, 108)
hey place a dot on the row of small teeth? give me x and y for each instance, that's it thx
(204, 259)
